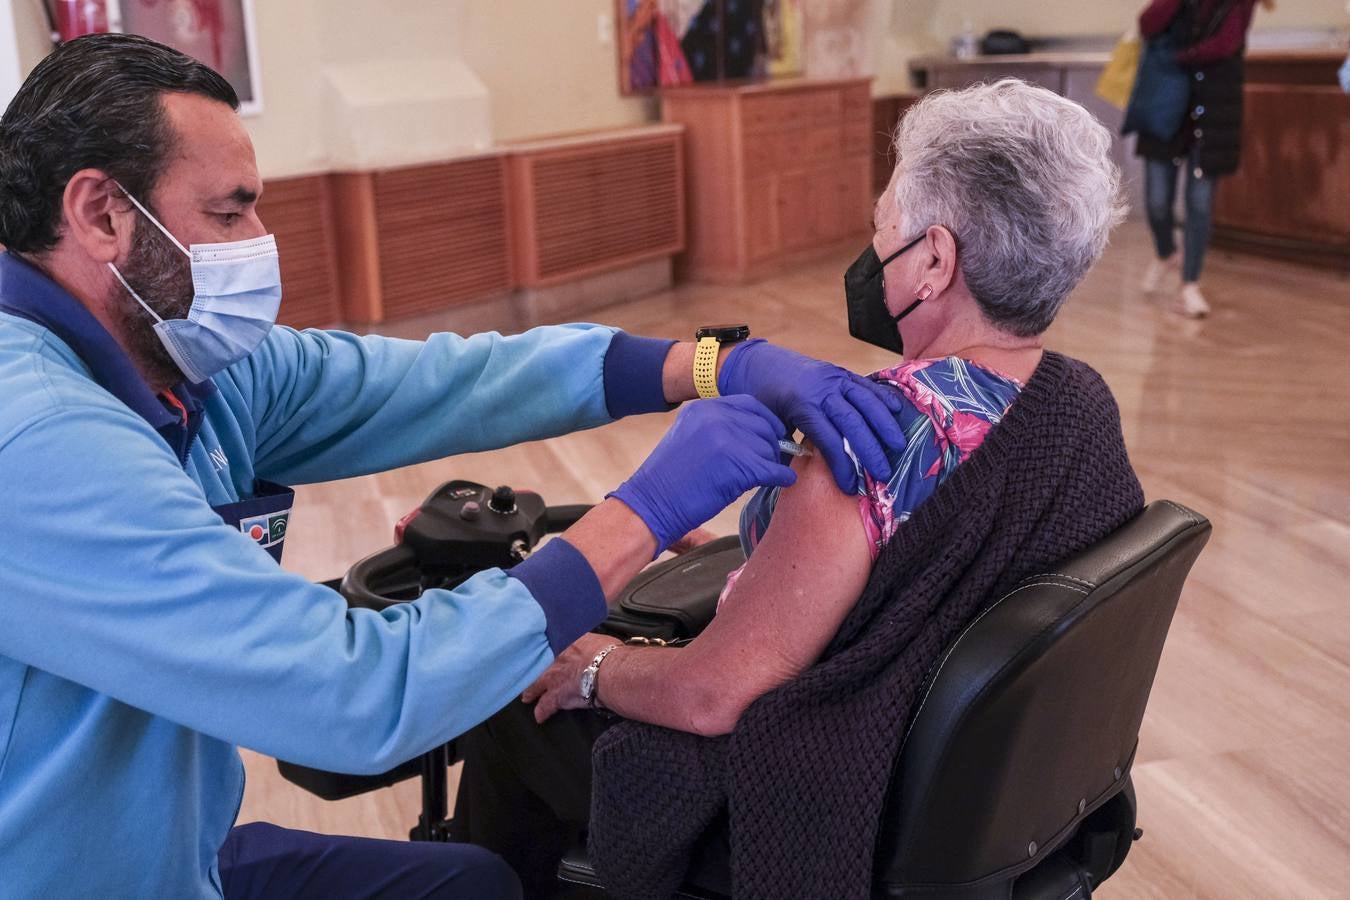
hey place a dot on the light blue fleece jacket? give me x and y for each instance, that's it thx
(141, 639)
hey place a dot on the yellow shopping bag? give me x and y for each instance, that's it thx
(1117, 81)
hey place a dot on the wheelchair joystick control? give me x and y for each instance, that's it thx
(439, 545)
(503, 501)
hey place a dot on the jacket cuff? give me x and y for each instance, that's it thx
(633, 375)
(564, 585)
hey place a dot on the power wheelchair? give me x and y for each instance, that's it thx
(1013, 779)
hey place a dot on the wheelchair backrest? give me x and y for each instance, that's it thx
(1031, 717)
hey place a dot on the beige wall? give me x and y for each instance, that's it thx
(31, 34)
(560, 79)
(542, 63)
(288, 134)
(904, 31)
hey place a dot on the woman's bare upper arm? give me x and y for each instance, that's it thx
(804, 576)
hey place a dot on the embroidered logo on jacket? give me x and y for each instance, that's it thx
(267, 530)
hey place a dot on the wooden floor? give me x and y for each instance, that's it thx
(1243, 772)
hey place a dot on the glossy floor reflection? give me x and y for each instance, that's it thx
(1242, 772)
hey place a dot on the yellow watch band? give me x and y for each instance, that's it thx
(705, 367)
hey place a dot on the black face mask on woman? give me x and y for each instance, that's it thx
(865, 293)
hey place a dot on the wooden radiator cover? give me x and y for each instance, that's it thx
(299, 212)
(582, 206)
(423, 238)
(442, 234)
(432, 237)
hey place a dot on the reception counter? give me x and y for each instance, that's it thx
(1291, 196)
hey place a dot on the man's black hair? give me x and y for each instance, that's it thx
(94, 102)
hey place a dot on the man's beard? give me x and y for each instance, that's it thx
(158, 271)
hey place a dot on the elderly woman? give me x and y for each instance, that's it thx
(1002, 199)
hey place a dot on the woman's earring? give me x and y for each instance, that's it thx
(924, 292)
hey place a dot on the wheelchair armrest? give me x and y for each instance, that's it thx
(675, 599)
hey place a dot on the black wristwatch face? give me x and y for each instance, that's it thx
(726, 334)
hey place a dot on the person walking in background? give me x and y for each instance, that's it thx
(1211, 35)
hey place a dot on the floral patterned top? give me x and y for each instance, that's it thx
(952, 405)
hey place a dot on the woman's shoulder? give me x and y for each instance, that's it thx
(944, 366)
(952, 382)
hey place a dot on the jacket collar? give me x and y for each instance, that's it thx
(29, 294)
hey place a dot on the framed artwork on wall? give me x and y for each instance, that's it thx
(220, 33)
(668, 43)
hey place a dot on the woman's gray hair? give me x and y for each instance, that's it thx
(1023, 179)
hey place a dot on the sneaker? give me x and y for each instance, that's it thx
(1159, 270)
(1192, 302)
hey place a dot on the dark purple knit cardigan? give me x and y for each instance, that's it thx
(805, 772)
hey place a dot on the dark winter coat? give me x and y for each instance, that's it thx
(1213, 54)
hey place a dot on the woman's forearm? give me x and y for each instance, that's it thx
(668, 686)
(806, 573)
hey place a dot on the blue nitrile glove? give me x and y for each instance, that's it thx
(827, 403)
(716, 451)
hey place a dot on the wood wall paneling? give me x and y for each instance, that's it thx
(299, 212)
(1308, 67)
(423, 238)
(585, 207)
(358, 246)
(774, 170)
(1290, 197)
(799, 195)
(713, 171)
(886, 115)
(763, 239)
(442, 234)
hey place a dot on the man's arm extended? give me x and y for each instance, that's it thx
(328, 405)
(325, 405)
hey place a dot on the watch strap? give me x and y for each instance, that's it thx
(705, 367)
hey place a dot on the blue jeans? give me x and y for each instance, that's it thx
(264, 861)
(1160, 195)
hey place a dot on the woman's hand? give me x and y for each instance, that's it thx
(560, 685)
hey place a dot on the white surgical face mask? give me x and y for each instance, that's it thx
(236, 295)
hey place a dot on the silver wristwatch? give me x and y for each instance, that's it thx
(589, 674)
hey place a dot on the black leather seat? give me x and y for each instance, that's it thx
(1013, 780)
